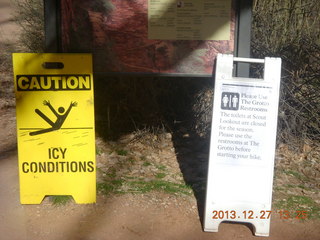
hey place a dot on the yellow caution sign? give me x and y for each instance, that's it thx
(55, 126)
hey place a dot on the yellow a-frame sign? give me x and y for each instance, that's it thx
(55, 126)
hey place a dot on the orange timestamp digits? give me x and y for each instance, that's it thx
(263, 214)
(232, 214)
(285, 214)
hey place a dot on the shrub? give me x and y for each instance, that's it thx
(29, 14)
(289, 29)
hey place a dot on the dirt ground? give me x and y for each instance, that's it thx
(152, 215)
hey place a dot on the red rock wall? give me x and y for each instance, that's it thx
(119, 38)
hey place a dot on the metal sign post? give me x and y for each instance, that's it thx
(242, 147)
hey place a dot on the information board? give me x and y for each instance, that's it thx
(149, 36)
(189, 20)
(55, 126)
(242, 146)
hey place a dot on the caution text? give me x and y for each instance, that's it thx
(53, 82)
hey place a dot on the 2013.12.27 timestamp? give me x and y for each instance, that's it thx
(263, 214)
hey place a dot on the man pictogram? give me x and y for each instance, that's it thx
(235, 101)
(61, 117)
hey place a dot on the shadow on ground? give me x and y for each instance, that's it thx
(126, 104)
(192, 154)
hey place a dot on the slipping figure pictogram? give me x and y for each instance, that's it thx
(61, 117)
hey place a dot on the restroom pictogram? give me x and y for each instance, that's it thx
(230, 100)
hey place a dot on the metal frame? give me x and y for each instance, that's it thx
(52, 25)
(242, 36)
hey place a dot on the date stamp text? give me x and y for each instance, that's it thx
(263, 214)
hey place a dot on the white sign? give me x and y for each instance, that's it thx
(242, 146)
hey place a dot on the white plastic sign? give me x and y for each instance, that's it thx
(242, 146)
